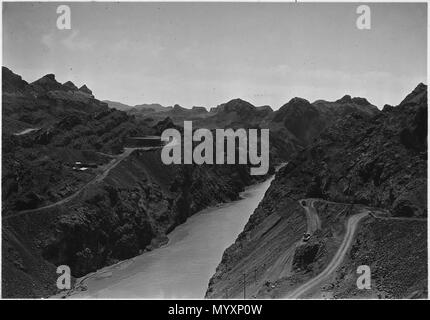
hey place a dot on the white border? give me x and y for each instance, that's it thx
(243, 1)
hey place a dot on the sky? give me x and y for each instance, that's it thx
(205, 54)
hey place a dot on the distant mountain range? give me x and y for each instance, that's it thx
(297, 122)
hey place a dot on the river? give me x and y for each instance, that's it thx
(182, 268)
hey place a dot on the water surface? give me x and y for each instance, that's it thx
(183, 267)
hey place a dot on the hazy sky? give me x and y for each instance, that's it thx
(208, 53)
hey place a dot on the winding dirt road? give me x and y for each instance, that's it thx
(378, 217)
(112, 164)
(337, 259)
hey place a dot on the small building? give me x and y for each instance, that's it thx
(79, 164)
(142, 142)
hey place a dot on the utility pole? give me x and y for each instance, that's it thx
(255, 275)
(226, 293)
(244, 285)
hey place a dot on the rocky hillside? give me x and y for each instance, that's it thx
(47, 126)
(302, 121)
(369, 160)
(121, 203)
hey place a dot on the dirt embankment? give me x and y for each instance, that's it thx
(397, 263)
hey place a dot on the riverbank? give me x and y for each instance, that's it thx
(182, 267)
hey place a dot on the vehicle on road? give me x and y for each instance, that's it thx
(306, 237)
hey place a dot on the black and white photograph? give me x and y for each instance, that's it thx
(214, 151)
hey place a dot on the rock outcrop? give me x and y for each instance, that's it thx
(70, 85)
(85, 89)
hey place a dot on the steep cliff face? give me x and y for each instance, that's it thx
(377, 161)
